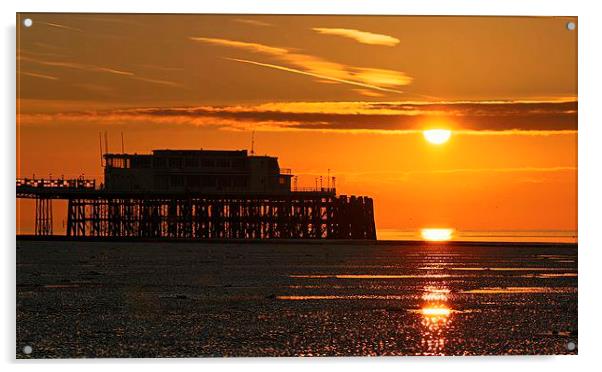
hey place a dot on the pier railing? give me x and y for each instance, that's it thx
(76, 183)
(315, 189)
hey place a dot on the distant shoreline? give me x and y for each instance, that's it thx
(289, 241)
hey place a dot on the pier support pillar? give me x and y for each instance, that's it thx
(43, 224)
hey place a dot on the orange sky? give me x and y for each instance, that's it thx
(342, 92)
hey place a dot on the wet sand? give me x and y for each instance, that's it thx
(112, 299)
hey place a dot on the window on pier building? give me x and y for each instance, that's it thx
(238, 164)
(160, 162)
(177, 181)
(118, 163)
(175, 163)
(223, 163)
(141, 162)
(191, 163)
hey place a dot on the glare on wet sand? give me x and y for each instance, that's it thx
(190, 300)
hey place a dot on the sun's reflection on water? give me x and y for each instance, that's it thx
(436, 319)
(434, 314)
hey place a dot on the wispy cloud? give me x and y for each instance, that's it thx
(94, 68)
(38, 75)
(41, 54)
(324, 77)
(75, 66)
(252, 47)
(306, 64)
(252, 22)
(156, 81)
(363, 37)
(470, 118)
(60, 26)
(368, 93)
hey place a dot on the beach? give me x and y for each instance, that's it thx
(78, 299)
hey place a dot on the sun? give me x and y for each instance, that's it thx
(437, 235)
(437, 136)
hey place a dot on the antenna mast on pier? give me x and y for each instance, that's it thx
(106, 143)
(101, 153)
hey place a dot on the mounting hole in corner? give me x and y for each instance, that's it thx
(571, 346)
(571, 26)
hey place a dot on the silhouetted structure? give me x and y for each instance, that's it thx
(199, 194)
(203, 171)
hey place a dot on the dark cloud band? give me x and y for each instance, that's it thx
(382, 116)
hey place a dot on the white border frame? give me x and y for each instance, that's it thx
(590, 241)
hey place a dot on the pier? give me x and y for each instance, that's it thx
(198, 194)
